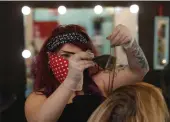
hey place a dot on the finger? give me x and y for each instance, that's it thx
(123, 39)
(89, 51)
(126, 40)
(83, 55)
(85, 64)
(116, 40)
(114, 34)
(88, 66)
(116, 30)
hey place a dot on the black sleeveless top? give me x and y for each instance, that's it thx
(81, 108)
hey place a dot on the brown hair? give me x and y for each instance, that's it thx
(140, 102)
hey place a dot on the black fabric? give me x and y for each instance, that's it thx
(6, 100)
(165, 84)
(81, 108)
(70, 37)
(167, 99)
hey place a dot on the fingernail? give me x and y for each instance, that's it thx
(91, 54)
(88, 51)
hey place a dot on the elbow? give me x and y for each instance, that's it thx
(145, 70)
(46, 119)
(142, 73)
(43, 120)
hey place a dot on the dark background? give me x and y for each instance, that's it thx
(12, 67)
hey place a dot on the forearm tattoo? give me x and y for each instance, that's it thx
(136, 60)
(139, 55)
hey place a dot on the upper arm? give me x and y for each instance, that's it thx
(125, 76)
(33, 105)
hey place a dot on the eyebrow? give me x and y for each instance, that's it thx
(67, 52)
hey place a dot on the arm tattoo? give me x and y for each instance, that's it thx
(138, 53)
(136, 60)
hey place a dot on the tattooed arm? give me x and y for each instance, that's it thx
(136, 59)
(138, 65)
(126, 74)
(137, 68)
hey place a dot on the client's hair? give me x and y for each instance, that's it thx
(140, 102)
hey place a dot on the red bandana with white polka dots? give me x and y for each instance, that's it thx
(59, 66)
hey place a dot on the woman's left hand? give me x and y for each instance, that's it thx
(120, 36)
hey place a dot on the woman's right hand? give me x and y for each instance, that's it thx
(77, 64)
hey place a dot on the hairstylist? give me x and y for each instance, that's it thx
(64, 90)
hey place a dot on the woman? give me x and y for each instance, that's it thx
(64, 88)
(140, 102)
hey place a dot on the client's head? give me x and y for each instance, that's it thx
(140, 102)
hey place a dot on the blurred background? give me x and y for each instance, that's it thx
(26, 25)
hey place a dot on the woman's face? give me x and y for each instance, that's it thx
(68, 50)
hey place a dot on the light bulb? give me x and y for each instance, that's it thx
(98, 9)
(26, 54)
(134, 8)
(164, 61)
(62, 9)
(26, 10)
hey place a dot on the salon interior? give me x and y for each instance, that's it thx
(25, 26)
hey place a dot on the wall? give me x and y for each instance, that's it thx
(125, 17)
(81, 16)
(148, 11)
(12, 68)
